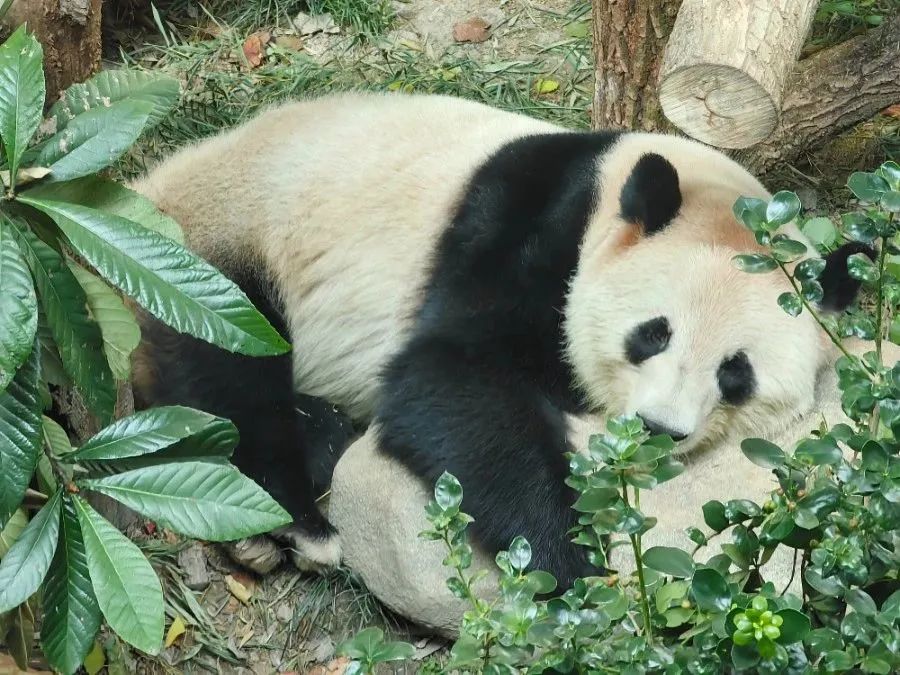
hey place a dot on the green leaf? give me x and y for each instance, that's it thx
(755, 263)
(744, 657)
(25, 565)
(214, 502)
(18, 305)
(170, 282)
(860, 267)
(890, 201)
(126, 587)
(594, 499)
(10, 533)
(393, 651)
(861, 601)
(448, 492)
(795, 626)
(868, 187)
(818, 451)
(671, 561)
(120, 330)
(750, 211)
(20, 435)
(786, 249)
(667, 468)
(71, 613)
(21, 94)
(55, 437)
(710, 590)
(809, 269)
(110, 88)
(540, 581)
(93, 140)
(782, 208)
(790, 303)
(890, 171)
(110, 197)
(714, 515)
(830, 586)
(363, 645)
(77, 336)
(519, 553)
(763, 453)
(821, 231)
(144, 432)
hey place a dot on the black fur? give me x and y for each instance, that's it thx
(651, 197)
(481, 387)
(838, 287)
(647, 340)
(289, 443)
(737, 381)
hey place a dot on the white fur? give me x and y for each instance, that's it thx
(343, 198)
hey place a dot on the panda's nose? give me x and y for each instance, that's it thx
(657, 429)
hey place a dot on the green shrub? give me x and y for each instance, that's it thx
(677, 615)
(70, 241)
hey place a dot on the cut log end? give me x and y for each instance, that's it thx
(719, 105)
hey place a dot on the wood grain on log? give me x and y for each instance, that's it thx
(629, 36)
(726, 64)
(69, 31)
(832, 91)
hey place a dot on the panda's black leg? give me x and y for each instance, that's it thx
(444, 409)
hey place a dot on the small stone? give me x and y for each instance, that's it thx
(192, 561)
(284, 613)
(472, 30)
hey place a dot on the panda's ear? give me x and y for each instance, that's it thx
(650, 197)
(839, 289)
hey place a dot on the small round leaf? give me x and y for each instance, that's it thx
(762, 452)
(783, 208)
(668, 560)
(711, 591)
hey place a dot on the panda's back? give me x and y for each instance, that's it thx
(341, 199)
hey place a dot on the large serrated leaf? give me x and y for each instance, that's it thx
(20, 434)
(93, 141)
(55, 437)
(109, 88)
(76, 334)
(172, 283)
(120, 330)
(22, 93)
(144, 432)
(71, 613)
(111, 197)
(205, 501)
(126, 587)
(52, 368)
(25, 565)
(18, 306)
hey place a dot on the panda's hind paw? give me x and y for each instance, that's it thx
(308, 552)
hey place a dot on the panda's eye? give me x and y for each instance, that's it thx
(647, 339)
(736, 379)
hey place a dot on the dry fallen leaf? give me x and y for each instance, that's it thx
(472, 30)
(335, 667)
(255, 47)
(26, 175)
(237, 589)
(176, 630)
(892, 111)
(95, 660)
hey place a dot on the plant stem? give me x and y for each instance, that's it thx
(879, 311)
(639, 564)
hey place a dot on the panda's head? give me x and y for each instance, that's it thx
(659, 321)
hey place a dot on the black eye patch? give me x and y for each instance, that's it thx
(648, 339)
(737, 381)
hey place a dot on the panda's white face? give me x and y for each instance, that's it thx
(677, 335)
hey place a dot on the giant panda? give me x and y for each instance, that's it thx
(467, 277)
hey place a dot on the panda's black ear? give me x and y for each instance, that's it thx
(651, 196)
(839, 289)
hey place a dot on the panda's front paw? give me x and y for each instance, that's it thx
(259, 553)
(308, 552)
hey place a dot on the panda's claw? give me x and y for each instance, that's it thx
(308, 552)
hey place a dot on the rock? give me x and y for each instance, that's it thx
(192, 561)
(378, 508)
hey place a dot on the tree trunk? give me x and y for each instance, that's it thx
(629, 36)
(831, 91)
(69, 31)
(726, 64)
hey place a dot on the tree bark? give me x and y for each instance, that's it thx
(726, 64)
(629, 36)
(69, 31)
(831, 91)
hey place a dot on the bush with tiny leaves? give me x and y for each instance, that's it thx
(837, 506)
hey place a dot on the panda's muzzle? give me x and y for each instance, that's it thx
(657, 429)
